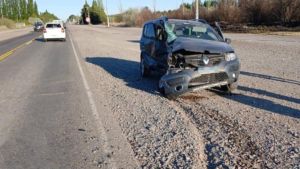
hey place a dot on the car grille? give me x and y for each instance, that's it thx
(197, 60)
(208, 79)
(213, 60)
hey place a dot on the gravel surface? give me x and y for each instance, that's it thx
(256, 127)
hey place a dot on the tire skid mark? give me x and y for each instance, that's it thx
(227, 143)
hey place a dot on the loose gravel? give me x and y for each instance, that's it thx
(256, 127)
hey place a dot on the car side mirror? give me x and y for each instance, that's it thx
(228, 40)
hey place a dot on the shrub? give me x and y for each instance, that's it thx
(8, 23)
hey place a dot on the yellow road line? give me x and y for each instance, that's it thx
(10, 52)
(5, 55)
(29, 42)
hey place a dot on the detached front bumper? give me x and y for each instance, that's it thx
(179, 81)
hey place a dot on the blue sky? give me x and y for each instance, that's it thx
(64, 8)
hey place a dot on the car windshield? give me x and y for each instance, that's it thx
(190, 29)
(38, 24)
(53, 26)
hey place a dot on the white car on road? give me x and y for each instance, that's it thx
(54, 31)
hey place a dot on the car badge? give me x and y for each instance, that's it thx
(205, 60)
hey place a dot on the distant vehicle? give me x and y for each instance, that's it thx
(190, 55)
(38, 26)
(54, 31)
(61, 22)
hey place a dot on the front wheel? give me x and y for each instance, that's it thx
(161, 88)
(230, 87)
(144, 71)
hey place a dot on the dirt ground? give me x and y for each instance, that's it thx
(256, 127)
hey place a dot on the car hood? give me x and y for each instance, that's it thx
(200, 45)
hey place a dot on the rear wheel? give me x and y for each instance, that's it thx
(161, 88)
(230, 87)
(144, 71)
(171, 97)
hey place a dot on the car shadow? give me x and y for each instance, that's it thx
(279, 79)
(49, 40)
(269, 94)
(134, 41)
(128, 71)
(39, 40)
(261, 103)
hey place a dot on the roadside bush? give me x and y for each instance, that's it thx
(8, 23)
(235, 12)
(144, 15)
(129, 17)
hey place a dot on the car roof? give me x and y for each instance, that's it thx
(164, 19)
(187, 21)
(200, 20)
(157, 20)
(52, 23)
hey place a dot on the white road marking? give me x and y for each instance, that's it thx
(92, 104)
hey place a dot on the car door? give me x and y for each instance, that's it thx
(148, 45)
(161, 48)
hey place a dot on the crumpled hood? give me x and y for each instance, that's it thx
(200, 45)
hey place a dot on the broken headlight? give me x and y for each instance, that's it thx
(230, 56)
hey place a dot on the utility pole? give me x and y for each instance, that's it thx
(182, 7)
(154, 6)
(197, 9)
(108, 25)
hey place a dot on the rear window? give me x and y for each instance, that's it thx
(53, 26)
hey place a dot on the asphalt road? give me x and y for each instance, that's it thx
(46, 117)
(9, 44)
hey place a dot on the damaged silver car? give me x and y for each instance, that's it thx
(189, 55)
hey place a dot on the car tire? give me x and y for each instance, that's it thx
(161, 89)
(230, 87)
(143, 70)
(64, 40)
(171, 97)
(45, 40)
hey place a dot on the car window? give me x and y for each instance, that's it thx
(145, 30)
(53, 26)
(38, 24)
(159, 32)
(149, 31)
(191, 30)
(49, 26)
